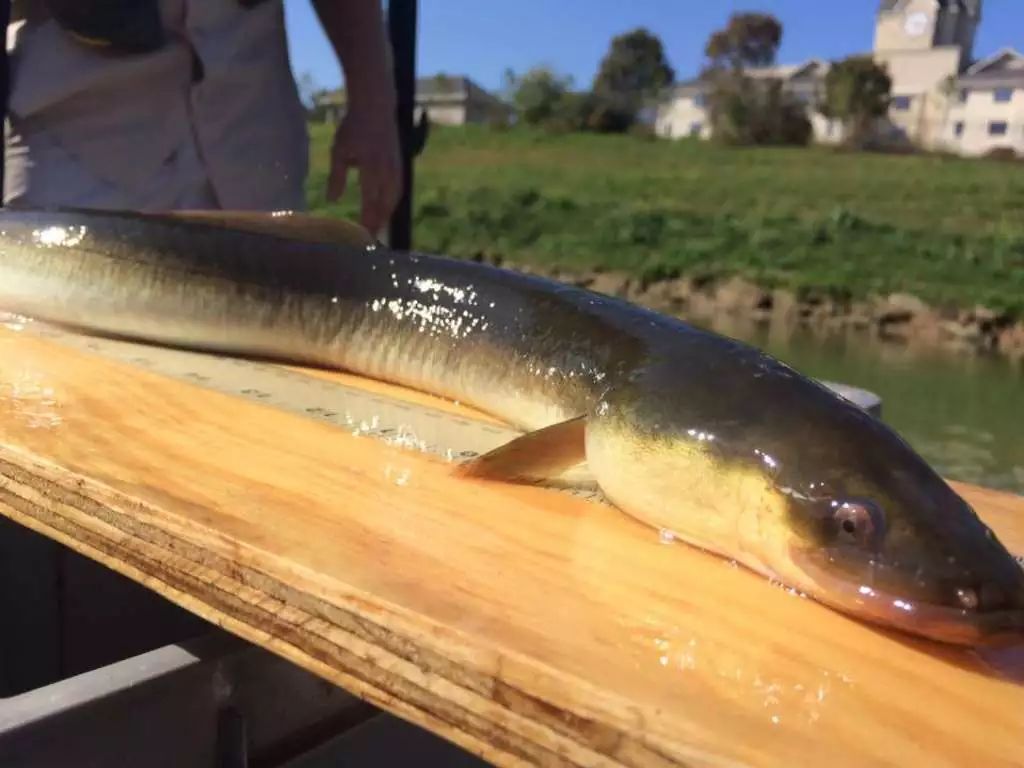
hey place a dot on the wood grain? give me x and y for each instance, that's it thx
(530, 626)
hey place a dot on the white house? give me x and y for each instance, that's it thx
(447, 100)
(685, 112)
(940, 99)
(987, 111)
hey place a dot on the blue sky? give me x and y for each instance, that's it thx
(481, 38)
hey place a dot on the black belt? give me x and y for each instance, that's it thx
(118, 26)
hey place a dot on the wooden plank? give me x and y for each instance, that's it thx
(530, 626)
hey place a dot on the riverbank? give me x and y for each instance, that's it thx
(731, 302)
(918, 248)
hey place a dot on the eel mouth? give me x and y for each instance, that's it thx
(933, 621)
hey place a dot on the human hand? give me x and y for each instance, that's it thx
(367, 139)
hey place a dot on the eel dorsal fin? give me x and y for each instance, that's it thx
(288, 224)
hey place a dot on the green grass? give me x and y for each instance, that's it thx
(948, 230)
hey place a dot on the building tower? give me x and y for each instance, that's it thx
(922, 25)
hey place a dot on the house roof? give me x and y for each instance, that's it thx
(780, 71)
(443, 85)
(801, 76)
(813, 67)
(1003, 68)
(971, 6)
(440, 87)
(688, 87)
(809, 69)
(1004, 58)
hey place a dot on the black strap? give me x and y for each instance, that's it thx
(5, 86)
(402, 33)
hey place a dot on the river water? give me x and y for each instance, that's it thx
(964, 413)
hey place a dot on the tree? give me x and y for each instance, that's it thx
(856, 93)
(744, 110)
(748, 40)
(606, 114)
(634, 70)
(537, 95)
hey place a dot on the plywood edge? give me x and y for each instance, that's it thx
(368, 652)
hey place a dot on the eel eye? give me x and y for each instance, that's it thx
(858, 522)
(968, 598)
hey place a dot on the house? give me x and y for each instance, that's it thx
(685, 112)
(446, 99)
(940, 99)
(988, 108)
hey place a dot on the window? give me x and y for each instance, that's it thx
(962, 96)
(695, 128)
(698, 100)
(901, 103)
(1003, 94)
(997, 128)
(958, 128)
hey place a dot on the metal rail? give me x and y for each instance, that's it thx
(214, 702)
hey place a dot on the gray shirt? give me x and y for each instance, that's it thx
(93, 129)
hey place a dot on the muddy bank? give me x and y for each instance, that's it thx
(896, 317)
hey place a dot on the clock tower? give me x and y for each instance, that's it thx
(924, 45)
(922, 25)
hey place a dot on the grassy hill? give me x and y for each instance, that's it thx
(948, 230)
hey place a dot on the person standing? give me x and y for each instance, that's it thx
(186, 104)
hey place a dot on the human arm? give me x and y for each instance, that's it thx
(367, 136)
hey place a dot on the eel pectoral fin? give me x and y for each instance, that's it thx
(543, 455)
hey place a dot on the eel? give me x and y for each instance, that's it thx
(685, 430)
